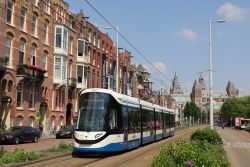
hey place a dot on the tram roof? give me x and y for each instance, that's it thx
(131, 101)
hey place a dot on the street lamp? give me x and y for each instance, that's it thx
(117, 59)
(211, 71)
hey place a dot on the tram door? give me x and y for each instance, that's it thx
(125, 122)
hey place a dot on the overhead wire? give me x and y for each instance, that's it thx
(123, 36)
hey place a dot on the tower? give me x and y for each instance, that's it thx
(176, 86)
(231, 90)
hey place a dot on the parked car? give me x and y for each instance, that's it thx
(20, 134)
(65, 132)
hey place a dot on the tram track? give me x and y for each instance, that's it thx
(118, 160)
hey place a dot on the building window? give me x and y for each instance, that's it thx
(58, 37)
(4, 83)
(57, 67)
(34, 22)
(44, 60)
(93, 79)
(80, 48)
(36, 2)
(70, 45)
(45, 31)
(10, 84)
(98, 42)
(64, 69)
(89, 37)
(70, 69)
(86, 48)
(33, 55)
(10, 11)
(8, 49)
(19, 121)
(85, 75)
(94, 38)
(23, 18)
(32, 97)
(47, 6)
(79, 74)
(20, 95)
(65, 40)
(21, 51)
(31, 121)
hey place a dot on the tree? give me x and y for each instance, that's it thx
(192, 110)
(235, 107)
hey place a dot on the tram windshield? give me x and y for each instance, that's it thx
(92, 111)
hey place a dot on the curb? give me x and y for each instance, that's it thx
(39, 160)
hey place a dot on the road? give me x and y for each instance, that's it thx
(237, 146)
(140, 157)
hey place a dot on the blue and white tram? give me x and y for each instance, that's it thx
(112, 122)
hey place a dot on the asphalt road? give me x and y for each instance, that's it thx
(237, 146)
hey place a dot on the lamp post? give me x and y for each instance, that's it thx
(117, 58)
(211, 71)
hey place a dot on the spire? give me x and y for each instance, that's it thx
(176, 86)
(202, 82)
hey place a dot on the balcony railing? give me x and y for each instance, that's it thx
(30, 72)
(72, 82)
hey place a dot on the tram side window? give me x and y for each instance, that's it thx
(134, 125)
(147, 120)
(113, 119)
(158, 120)
(115, 122)
(166, 120)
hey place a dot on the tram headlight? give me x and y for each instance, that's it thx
(76, 135)
(98, 135)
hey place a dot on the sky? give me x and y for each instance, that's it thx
(174, 36)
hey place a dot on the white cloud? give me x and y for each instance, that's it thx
(160, 66)
(231, 12)
(188, 34)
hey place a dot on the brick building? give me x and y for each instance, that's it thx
(27, 52)
(48, 56)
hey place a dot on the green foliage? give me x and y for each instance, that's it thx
(192, 110)
(199, 153)
(2, 151)
(236, 107)
(209, 135)
(61, 148)
(18, 155)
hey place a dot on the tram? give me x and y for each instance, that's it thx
(112, 122)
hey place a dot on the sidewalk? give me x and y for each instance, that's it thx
(47, 137)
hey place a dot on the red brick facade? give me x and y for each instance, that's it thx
(47, 57)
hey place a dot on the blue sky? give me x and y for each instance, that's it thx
(174, 36)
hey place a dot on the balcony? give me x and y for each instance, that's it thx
(30, 72)
(72, 82)
(2, 67)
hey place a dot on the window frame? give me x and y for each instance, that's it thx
(34, 24)
(23, 19)
(9, 18)
(32, 97)
(20, 90)
(21, 54)
(8, 44)
(33, 54)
